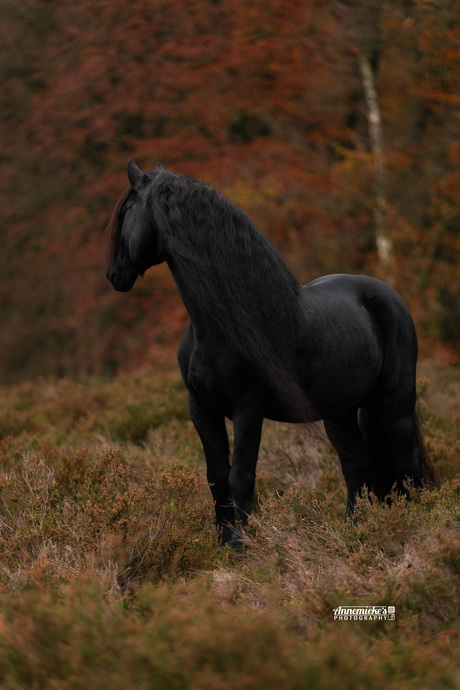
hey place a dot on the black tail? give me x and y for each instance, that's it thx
(430, 475)
(383, 476)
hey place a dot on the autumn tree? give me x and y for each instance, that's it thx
(331, 123)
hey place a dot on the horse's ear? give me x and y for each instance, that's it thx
(160, 168)
(135, 174)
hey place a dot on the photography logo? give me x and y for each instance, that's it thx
(364, 613)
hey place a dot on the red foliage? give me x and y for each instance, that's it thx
(261, 99)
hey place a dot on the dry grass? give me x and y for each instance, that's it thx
(110, 575)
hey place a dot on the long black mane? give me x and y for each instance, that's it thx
(227, 271)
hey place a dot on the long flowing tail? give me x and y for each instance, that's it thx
(430, 475)
(383, 475)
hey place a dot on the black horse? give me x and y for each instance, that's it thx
(341, 349)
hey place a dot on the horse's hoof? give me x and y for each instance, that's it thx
(236, 544)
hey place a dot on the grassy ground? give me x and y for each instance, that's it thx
(110, 575)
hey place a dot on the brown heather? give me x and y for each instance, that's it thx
(110, 575)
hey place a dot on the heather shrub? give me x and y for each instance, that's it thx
(111, 574)
(181, 637)
(147, 526)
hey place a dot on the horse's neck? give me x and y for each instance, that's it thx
(185, 291)
(248, 298)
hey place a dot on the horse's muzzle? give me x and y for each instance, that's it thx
(122, 282)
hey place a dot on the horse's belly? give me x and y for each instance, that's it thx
(336, 384)
(227, 383)
(331, 389)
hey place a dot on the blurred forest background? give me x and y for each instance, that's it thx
(334, 124)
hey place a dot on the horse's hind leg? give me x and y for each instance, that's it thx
(211, 429)
(345, 435)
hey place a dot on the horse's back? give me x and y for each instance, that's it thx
(354, 298)
(380, 300)
(357, 285)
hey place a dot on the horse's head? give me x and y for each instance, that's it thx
(133, 239)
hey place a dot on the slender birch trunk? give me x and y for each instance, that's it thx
(382, 239)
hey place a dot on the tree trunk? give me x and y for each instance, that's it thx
(382, 239)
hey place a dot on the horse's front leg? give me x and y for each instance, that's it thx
(210, 425)
(247, 424)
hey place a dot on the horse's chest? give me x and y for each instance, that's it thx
(218, 378)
